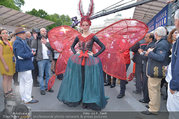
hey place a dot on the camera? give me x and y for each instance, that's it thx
(75, 22)
(35, 30)
(39, 36)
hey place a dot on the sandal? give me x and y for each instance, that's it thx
(6, 95)
(9, 94)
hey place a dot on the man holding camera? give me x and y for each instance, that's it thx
(44, 58)
(35, 70)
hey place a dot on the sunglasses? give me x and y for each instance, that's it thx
(4, 33)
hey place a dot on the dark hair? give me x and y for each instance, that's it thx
(35, 30)
(1, 32)
(170, 35)
(1, 37)
(151, 36)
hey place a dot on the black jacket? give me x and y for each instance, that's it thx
(37, 44)
(136, 58)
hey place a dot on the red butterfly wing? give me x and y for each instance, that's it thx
(61, 39)
(117, 38)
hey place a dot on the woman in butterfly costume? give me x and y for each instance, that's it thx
(83, 80)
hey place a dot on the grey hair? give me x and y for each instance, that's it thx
(161, 31)
(27, 32)
(42, 29)
(176, 14)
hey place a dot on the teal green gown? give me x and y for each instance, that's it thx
(84, 84)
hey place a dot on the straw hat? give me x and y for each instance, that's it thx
(19, 30)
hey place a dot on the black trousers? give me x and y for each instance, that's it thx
(35, 73)
(145, 87)
(138, 75)
(123, 83)
(104, 75)
(109, 80)
(15, 77)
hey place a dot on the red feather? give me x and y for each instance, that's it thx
(91, 8)
(81, 9)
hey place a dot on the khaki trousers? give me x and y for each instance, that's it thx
(154, 93)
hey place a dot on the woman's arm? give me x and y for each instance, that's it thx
(2, 59)
(100, 44)
(73, 45)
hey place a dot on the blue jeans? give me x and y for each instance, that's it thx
(44, 66)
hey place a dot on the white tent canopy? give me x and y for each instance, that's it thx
(13, 18)
(147, 11)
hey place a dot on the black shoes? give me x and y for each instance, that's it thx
(147, 112)
(112, 85)
(120, 96)
(143, 101)
(85, 106)
(107, 84)
(51, 90)
(137, 92)
(72, 104)
(32, 101)
(42, 92)
(91, 106)
(147, 106)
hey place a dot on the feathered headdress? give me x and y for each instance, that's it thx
(89, 13)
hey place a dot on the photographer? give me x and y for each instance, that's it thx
(44, 58)
(35, 33)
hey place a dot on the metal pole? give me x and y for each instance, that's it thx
(120, 9)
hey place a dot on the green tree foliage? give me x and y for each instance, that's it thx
(59, 20)
(19, 3)
(40, 13)
(14, 4)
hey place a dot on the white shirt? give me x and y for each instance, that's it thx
(169, 74)
(44, 51)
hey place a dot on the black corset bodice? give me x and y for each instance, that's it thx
(87, 44)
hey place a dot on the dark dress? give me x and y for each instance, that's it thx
(84, 84)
